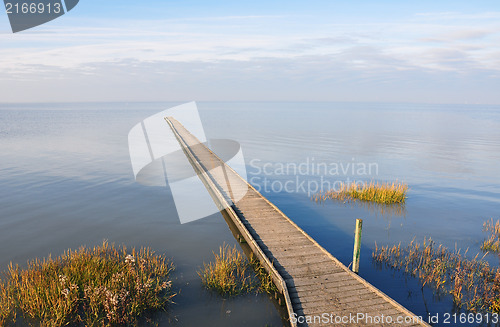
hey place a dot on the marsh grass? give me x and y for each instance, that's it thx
(492, 243)
(266, 283)
(472, 282)
(102, 286)
(229, 274)
(382, 209)
(384, 193)
(232, 274)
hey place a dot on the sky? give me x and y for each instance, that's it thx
(374, 51)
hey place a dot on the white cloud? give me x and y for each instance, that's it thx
(454, 16)
(252, 49)
(455, 35)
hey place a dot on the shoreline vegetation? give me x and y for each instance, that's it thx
(231, 274)
(473, 284)
(100, 286)
(382, 193)
(492, 243)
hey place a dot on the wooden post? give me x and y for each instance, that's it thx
(357, 245)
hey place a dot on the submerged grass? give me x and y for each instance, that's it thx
(102, 286)
(492, 243)
(232, 274)
(385, 193)
(472, 282)
(266, 282)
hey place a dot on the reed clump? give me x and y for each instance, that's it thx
(492, 243)
(232, 274)
(100, 286)
(472, 282)
(266, 283)
(384, 193)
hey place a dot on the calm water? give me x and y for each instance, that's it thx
(66, 180)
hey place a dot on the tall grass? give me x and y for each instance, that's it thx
(266, 283)
(102, 286)
(472, 282)
(385, 193)
(232, 274)
(492, 243)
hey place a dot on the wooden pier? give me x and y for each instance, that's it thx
(316, 288)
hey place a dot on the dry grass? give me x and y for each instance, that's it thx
(231, 274)
(385, 193)
(472, 283)
(492, 243)
(103, 286)
(266, 283)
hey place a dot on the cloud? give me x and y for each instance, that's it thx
(454, 16)
(461, 35)
(251, 57)
(319, 78)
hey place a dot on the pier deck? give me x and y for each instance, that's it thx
(314, 284)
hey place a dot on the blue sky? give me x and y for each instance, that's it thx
(378, 51)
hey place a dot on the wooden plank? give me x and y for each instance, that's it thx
(332, 278)
(300, 252)
(318, 296)
(278, 242)
(313, 269)
(337, 291)
(299, 262)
